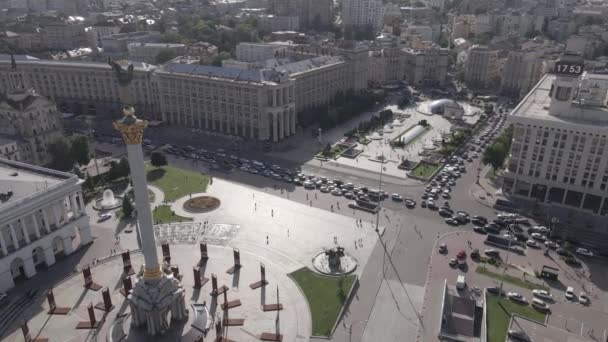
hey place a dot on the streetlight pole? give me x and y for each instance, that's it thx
(379, 193)
(92, 143)
(502, 278)
(350, 328)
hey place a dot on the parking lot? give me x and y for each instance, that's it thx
(566, 314)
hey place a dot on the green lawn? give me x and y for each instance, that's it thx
(325, 296)
(424, 170)
(176, 183)
(510, 279)
(162, 214)
(499, 314)
(334, 152)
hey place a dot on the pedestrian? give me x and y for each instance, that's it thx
(272, 212)
(307, 197)
(255, 206)
(315, 195)
(266, 239)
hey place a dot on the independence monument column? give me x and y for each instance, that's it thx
(155, 294)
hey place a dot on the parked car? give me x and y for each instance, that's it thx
(397, 197)
(532, 243)
(540, 305)
(492, 253)
(570, 293)
(518, 335)
(453, 262)
(104, 217)
(562, 252)
(538, 236)
(516, 297)
(542, 294)
(410, 203)
(461, 255)
(495, 290)
(584, 251)
(475, 254)
(480, 230)
(551, 244)
(443, 248)
(583, 298)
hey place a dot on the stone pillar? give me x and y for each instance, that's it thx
(35, 223)
(3, 244)
(55, 214)
(47, 223)
(281, 125)
(49, 256)
(67, 245)
(144, 215)
(85, 233)
(293, 121)
(26, 234)
(64, 209)
(73, 206)
(274, 128)
(13, 235)
(29, 267)
(81, 200)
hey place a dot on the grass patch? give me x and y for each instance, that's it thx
(499, 311)
(334, 152)
(175, 182)
(325, 296)
(163, 214)
(424, 170)
(510, 279)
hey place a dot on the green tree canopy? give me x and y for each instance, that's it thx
(61, 158)
(157, 159)
(164, 56)
(79, 149)
(127, 207)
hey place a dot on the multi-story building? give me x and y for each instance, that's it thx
(42, 213)
(362, 14)
(559, 152)
(35, 122)
(115, 46)
(256, 104)
(64, 35)
(254, 52)
(481, 68)
(147, 52)
(23, 41)
(312, 14)
(8, 147)
(271, 23)
(99, 30)
(426, 67)
(386, 66)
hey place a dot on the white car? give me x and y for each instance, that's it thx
(540, 305)
(104, 217)
(397, 197)
(584, 251)
(516, 297)
(583, 298)
(542, 294)
(570, 293)
(551, 244)
(538, 236)
(541, 229)
(532, 243)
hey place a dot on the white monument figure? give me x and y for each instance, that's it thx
(155, 294)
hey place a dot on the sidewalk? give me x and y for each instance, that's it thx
(486, 191)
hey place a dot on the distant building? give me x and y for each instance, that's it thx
(205, 52)
(34, 121)
(362, 14)
(481, 68)
(8, 147)
(147, 52)
(25, 41)
(96, 32)
(386, 66)
(269, 22)
(312, 14)
(426, 67)
(41, 212)
(116, 45)
(253, 52)
(64, 35)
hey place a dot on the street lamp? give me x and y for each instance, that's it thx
(350, 328)
(502, 278)
(379, 192)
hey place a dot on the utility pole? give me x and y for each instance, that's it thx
(380, 193)
(92, 144)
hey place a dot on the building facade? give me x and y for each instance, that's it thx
(426, 67)
(255, 52)
(64, 36)
(386, 66)
(8, 148)
(481, 67)
(41, 213)
(147, 52)
(115, 46)
(312, 14)
(362, 14)
(35, 121)
(559, 152)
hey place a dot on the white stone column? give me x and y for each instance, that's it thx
(144, 214)
(64, 209)
(67, 245)
(81, 200)
(281, 123)
(287, 117)
(13, 235)
(74, 206)
(26, 234)
(29, 267)
(49, 255)
(274, 128)
(47, 223)
(293, 121)
(3, 244)
(35, 223)
(85, 234)
(55, 214)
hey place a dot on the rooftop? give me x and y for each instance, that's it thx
(25, 59)
(256, 76)
(25, 180)
(308, 64)
(540, 332)
(536, 106)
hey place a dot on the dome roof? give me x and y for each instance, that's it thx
(438, 106)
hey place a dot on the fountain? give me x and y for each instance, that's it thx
(108, 201)
(334, 261)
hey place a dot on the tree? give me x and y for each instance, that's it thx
(164, 56)
(127, 207)
(495, 155)
(220, 57)
(61, 158)
(327, 150)
(158, 159)
(79, 150)
(123, 168)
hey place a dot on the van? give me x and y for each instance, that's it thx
(460, 282)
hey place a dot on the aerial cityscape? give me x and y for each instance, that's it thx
(303, 170)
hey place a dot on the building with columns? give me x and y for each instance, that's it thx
(559, 152)
(42, 220)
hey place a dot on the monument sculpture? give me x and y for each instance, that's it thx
(155, 294)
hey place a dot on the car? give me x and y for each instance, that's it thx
(583, 298)
(475, 254)
(432, 205)
(423, 204)
(336, 192)
(451, 221)
(443, 248)
(463, 214)
(480, 219)
(532, 243)
(309, 185)
(461, 255)
(424, 196)
(542, 294)
(445, 195)
(104, 217)
(397, 197)
(410, 203)
(584, 251)
(572, 261)
(538, 236)
(551, 244)
(445, 212)
(350, 195)
(570, 293)
(562, 252)
(492, 253)
(480, 230)
(453, 262)
(495, 290)
(540, 229)
(462, 264)
(517, 298)
(540, 305)
(324, 189)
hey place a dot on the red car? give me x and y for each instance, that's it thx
(461, 255)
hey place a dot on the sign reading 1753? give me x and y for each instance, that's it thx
(568, 68)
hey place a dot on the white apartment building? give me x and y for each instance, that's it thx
(115, 46)
(96, 32)
(34, 121)
(559, 152)
(386, 66)
(147, 52)
(426, 67)
(42, 219)
(255, 52)
(481, 68)
(362, 13)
